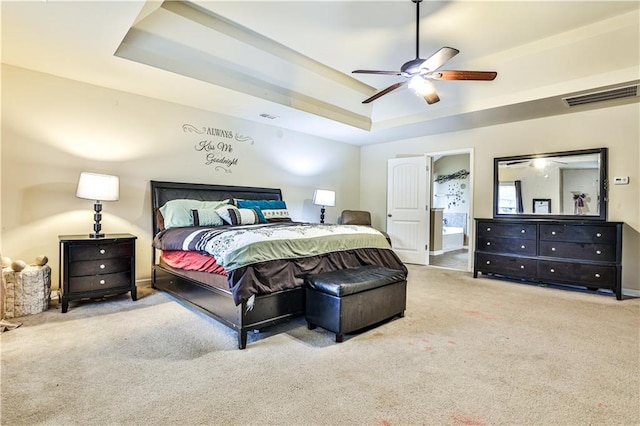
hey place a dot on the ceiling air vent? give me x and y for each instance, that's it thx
(269, 116)
(605, 95)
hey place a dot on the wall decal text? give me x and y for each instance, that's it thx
(217, 145)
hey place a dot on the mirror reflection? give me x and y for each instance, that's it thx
(557, 184)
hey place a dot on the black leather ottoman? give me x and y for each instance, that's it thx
(351, 299)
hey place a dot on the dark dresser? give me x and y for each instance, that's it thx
(96, 267)
(565, 252)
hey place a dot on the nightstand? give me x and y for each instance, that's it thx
(96, 267)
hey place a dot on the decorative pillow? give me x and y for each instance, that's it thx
(177, 213)
(261, 218)
(271, 210)
(276, 215)
(235, 216)
(206, 217)
(261, 204)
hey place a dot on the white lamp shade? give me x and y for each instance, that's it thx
(324, 197)
(94, 186)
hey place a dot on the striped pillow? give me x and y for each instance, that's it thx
(206, 217)
(235, 216)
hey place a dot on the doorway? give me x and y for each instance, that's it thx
(451, 209)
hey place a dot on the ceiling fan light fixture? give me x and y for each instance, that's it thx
(540, 163)
(421, 85)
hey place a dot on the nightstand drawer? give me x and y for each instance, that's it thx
(90, 267)
(99, 267)
(99, 251)
(100, 282)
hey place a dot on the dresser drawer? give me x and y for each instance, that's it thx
(100, 282)
(518, 267)
(99, 267)
(507, 245)
(586, 275)
(578, 233)
(582, 251)
(99, 251)
(506, 230)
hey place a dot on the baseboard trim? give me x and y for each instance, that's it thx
(143, 281)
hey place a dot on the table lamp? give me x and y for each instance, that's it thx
(324, 197)
(98, 187)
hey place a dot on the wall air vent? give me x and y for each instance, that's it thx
(605, 95)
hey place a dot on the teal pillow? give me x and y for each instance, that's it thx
(267, 210)
(261, 218)
(261, 204)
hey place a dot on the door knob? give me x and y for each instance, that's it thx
(389, 215)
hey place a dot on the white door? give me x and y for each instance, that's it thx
(408, 207)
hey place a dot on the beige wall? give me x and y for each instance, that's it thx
(617, 128)
(54, 128)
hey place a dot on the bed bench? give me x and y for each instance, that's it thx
(349, 300)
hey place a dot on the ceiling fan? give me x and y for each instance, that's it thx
(420, 72)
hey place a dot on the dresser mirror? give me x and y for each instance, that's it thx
(557, 185)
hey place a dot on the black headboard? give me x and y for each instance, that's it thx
(161, 192)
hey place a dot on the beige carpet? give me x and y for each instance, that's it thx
(468, 352)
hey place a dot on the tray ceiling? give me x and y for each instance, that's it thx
(293, 60)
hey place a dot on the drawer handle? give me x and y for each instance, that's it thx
(598, 234)
(102, 251)
(552, 270)
(488, 229)
(101, 281)
(521, 266)
(553, 232)
(553, 249)
(598, 251)
(522, 246)
(488, 262)
(522, 231)
(102, 266)
(597, 275)
(488, 243)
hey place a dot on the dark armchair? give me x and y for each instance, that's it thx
(358, 217)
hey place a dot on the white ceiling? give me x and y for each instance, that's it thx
(293, 59)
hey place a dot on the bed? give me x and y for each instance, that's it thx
(261, 291)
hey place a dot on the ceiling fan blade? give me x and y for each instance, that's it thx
(431, 98)
(439, 58)
(376, 72)
(384, 92)
(463, 75)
